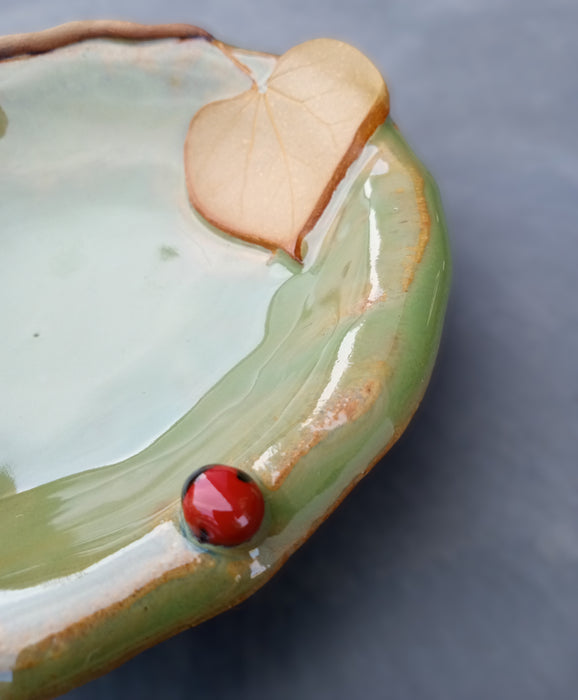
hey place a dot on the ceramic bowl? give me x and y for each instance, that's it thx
(140, 342)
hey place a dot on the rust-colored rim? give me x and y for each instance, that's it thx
(17, 45)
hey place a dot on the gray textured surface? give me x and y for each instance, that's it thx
(452, 570)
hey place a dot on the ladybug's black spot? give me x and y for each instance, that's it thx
(203, 536)
(243, 477)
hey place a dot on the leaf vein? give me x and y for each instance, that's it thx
(284, 154)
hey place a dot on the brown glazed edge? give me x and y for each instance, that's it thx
(34, 43)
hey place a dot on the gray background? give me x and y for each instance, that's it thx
(452, 570)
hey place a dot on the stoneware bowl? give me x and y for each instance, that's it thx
(208, 256)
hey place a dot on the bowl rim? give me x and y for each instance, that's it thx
(33, 43)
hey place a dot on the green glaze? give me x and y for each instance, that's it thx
(3, 122)
(328, 364)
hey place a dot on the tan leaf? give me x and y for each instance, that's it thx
(263, 165)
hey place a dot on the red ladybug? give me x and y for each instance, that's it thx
(222, 505)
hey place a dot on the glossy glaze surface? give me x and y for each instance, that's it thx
(327, 364)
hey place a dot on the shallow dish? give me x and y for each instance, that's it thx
(140, 342)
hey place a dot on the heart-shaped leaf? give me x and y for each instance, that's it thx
(263, 165)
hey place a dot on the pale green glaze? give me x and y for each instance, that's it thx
(336, 355)
(3, 122)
